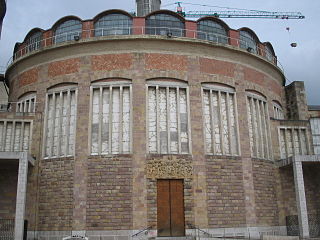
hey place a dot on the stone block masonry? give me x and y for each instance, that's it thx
(109, 198)
(226, 207)
(56, 194)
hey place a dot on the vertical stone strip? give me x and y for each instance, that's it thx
(21, 196)
(199, 164)
(139, 184)
(81, 147)
(248, 185)
(300, 198)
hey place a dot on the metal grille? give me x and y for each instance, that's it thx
(6, 229)
(292, 223)
(314, 225)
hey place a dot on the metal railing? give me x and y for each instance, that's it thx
(6, 229)
(293, 225)
(73, 37)
(141, 234)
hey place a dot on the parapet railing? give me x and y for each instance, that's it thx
(73, 37)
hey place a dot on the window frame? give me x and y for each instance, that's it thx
(292, 129)
(23, 100)
(167, 83)
(110, 84)
(220, 38)
(246, 41)
(156, 29)
(315, 135)
(60, 89)
(254, 149)
(13, 121)
(219, 87)
(128, 29)
(277, 110)
(67, 34)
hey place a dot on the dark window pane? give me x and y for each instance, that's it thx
(34, 42)
(113, 24)
(67, 30)
(212, 31)
(163, 24)
(248, 41)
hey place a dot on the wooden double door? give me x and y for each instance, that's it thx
(170, 208)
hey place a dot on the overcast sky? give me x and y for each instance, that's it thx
(300, 64)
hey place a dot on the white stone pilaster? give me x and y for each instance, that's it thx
(300, 197)
(21, 196)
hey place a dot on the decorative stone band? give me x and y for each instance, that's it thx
(173, 169)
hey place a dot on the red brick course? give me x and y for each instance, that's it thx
(111, 61)
(213, 66)
(28, 77)
(166, 62)
(63, 67)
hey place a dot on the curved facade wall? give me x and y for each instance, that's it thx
(117, 118)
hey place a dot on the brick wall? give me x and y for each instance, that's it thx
(56, 194)
(8, 190)
(312, 187)
(265, 192)
(109, 198)
(288, 192)
(225, 192)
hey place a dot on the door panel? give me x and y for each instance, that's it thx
(177, 210)
(163, 204)
(170, 207)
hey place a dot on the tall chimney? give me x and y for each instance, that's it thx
(144, 7)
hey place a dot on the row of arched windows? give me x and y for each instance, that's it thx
(162, 23)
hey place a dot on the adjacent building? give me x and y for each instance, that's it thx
(132, 127)
(3, 8)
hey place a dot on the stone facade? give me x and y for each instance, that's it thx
(116, 195)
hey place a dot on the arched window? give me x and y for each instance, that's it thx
(33, 42)
(60, 121)
(269, 53)
(248, 41)
(212, 31)
(164, 24)
(113, 24)
(111, 116)
(258, 123)
(277, 110)
(27, 103)
(168, 117)
(220, 119)
(67, 30)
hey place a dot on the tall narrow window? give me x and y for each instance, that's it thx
(60, 122)
(168, 121)
(111, 118)
(27, 103)
(277, 111)
(220, 120)
(293, 141)
(258, 122)
(315, 129)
